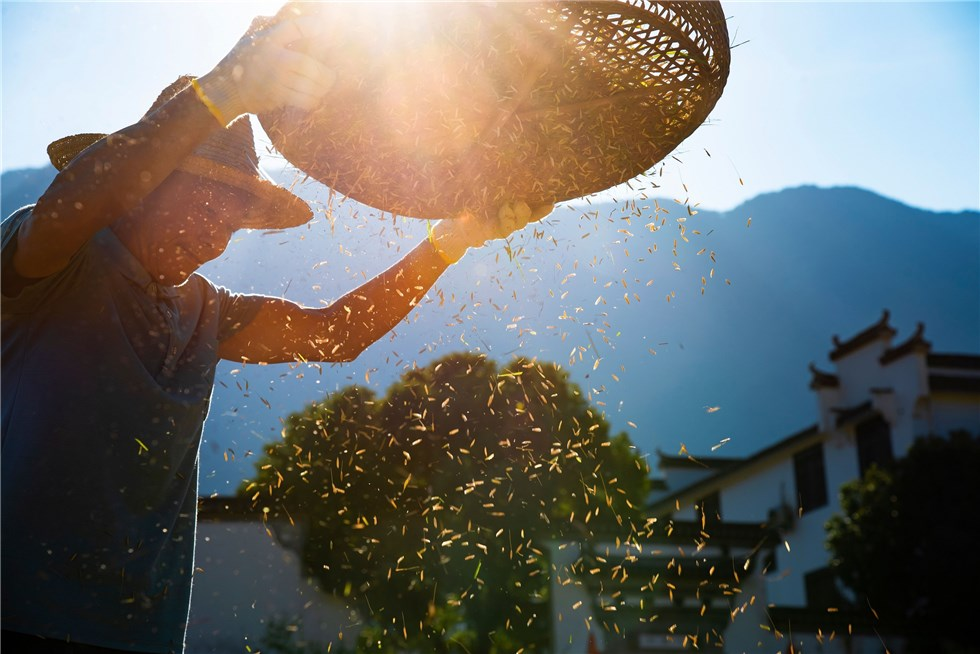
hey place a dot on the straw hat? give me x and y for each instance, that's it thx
(439, 107)
(227, 156)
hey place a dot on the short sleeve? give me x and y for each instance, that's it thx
(30, 292)
(10, 225)
(8, 244)
(236, 310)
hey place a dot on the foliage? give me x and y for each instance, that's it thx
(431, 509)
(901, 541)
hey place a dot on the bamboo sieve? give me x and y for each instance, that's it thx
(441, 107)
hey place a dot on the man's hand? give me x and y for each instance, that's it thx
(453, 237)
(266, 71)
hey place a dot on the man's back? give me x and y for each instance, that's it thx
(106, 383)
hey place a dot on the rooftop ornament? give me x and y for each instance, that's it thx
(440, 107)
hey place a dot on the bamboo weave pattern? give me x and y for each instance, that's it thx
(441, 107)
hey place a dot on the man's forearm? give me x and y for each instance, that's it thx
(366, 314)
(284, 331)
(107, 181)
(113, 175)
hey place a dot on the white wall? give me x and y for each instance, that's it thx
(244, 578)
(749, 500)
(571, 604)
(750, 497)
(900, 392)
(860, 370)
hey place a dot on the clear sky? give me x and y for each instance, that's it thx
(882, 95)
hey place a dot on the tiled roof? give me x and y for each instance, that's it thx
(853, 413)
(914, 343)
(699, 462)
(790, 443)
(821, 379)
(954, 384)
(880, 329)
(958, 361)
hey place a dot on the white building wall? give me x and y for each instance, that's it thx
(801, 552)
(840, 459)
(571, 603)
(827, 400)
(748, 617)
(750, 498)
(909, 376)
(908, 379)
(244, 579)
(899, 391)
(687, 513)
(859, 371)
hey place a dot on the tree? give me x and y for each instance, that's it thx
(431, 509)
(901, 542)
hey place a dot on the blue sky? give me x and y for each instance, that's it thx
(882, 95)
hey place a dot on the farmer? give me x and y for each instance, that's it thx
(110, 342)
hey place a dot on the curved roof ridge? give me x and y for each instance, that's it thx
(913, 343)
(821, 379)
(880, 329)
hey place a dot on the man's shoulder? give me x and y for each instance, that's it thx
(19, 214)
(199, 285)
(232, 310)
(13, 282)
(12, 223)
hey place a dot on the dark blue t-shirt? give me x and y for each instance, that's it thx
(106, 381)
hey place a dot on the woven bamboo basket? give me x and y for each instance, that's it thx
(442, 107)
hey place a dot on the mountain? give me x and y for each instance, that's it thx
(614, 293)
(22, 186)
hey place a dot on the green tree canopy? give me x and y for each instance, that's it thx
(431, 508)
(903, 542)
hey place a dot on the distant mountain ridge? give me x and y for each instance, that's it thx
(722, 364)
(23, 186)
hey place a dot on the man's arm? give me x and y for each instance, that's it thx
(107, 181)
(113, 176)
(284, 331)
